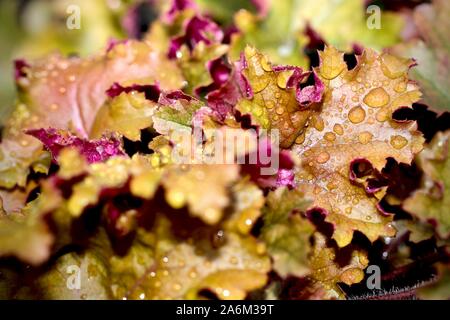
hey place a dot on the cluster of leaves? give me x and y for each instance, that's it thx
(89, 177)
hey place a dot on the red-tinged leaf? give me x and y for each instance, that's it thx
(271, 94)
(93, 150)
(354, 121)
(66, 93)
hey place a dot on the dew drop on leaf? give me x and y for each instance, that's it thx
(376, 98)
(357, 114)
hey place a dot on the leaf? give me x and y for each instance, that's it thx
(432, 200)
(183, 270)
(193, 40)
(418, 230)
(271, 96)
(93, 150)
(127, 111)
(286, 233)
(112, 174)
(61, 280)
(203, 188)
(247, 204)
(26, 235)
(72, 90)
(176, 112)
(327, 272)
(196, 66)
(432, 53)
(353, 126)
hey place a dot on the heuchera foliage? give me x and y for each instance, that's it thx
(90, 174)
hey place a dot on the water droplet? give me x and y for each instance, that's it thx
(258, 110)
(400, 87)
(331, 185)
(398, 142)
(382, 115)
(337, 128)
(176, 286)
(54, 106)
(192, 274)
(179, 54)
(265, 64)
(323, 157)
(376, 98)
(270, 104)
(365, 137)
(300, 139)
(348, 210)
(142, 296)
(279, 110)
(329, 136)
(356, 114)
(233, 260)
(317, 123)
(282, 78)
(368, 218)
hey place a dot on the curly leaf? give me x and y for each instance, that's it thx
(94, 151)
(287, 234)
(26, 235)
(72, 90)
(203, 188)
(327, 272)
(432, 201)
(184, 270)
(354, 122)
(271, 96)
(128, 111)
